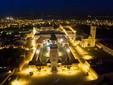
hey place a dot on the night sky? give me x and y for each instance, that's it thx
(21, 7)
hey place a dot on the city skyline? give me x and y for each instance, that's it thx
(56, 42)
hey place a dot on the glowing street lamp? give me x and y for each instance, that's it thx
(37, 51)
(68, 50)
(34, 30)
(61, 40)
(48, 43)
(9, 18)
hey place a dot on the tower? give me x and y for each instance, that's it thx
(93, 36)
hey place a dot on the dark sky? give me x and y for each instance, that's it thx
(21, 7)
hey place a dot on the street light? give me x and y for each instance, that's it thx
(68, 50)
(47, 43)
(61, 40)
(37, 51)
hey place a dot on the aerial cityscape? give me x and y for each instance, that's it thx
(60, 42)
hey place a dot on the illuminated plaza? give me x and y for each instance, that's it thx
(54, 55)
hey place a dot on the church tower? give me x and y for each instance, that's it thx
(93, 36)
